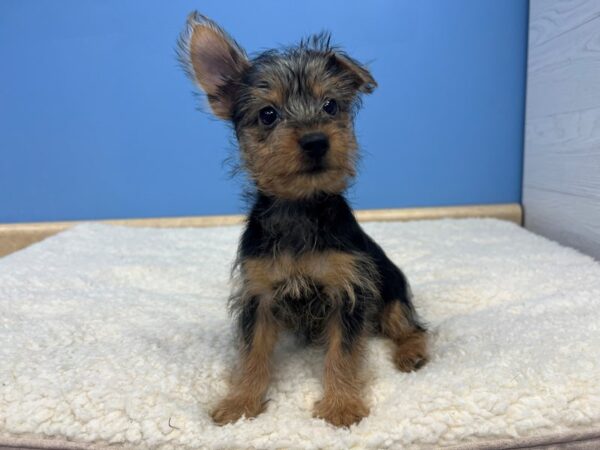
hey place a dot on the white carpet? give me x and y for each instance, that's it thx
(120, 335)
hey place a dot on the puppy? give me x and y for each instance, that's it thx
(304, 264)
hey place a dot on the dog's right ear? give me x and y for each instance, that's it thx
(213, 60)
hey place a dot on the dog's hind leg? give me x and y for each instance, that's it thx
(398, 320)
(409, 339)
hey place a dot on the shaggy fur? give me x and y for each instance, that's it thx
(304, 263)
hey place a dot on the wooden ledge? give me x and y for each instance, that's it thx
(15, 236)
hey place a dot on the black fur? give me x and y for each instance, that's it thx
(322, 223)
(247, 320)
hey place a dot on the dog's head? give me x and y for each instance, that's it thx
(292, 109)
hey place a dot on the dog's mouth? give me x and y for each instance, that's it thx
(307, 181)
(320, 171)
(314, 170)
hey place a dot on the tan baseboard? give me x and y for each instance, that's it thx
(15, 236)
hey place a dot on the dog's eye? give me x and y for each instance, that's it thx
(267, 115)
(330, 106)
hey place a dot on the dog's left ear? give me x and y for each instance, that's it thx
(213, 60)
(365, 82)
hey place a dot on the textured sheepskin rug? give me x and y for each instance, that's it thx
(114, 335)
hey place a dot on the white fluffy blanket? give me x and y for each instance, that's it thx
(120, 335)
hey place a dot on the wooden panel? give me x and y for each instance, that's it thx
(561, 180)
(571, 130)
(563, 71)
(564, 218)
(549, 19)
(19, 235)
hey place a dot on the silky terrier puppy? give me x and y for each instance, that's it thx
(304, 264)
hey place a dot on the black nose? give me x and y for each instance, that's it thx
(315, 145)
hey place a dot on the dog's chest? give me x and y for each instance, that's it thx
(302, 289)
(289, 275)
(304, 260)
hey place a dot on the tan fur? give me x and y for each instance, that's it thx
(342, 404)
(268, 96)
(366, 82)
(251, 378)
(276, 163)
(213, 59)
(394, 322)
(410, 343)
(284, 274)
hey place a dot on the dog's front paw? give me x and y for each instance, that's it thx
(231, 409)
(341, 413)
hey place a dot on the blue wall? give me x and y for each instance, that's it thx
(98, 121)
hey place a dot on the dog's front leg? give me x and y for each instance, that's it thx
(342, 404)
(258, 334)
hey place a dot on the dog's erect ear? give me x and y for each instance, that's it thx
(213, 60)
(364, 80)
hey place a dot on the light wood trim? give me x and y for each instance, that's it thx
(504, 211)
(15, 236)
